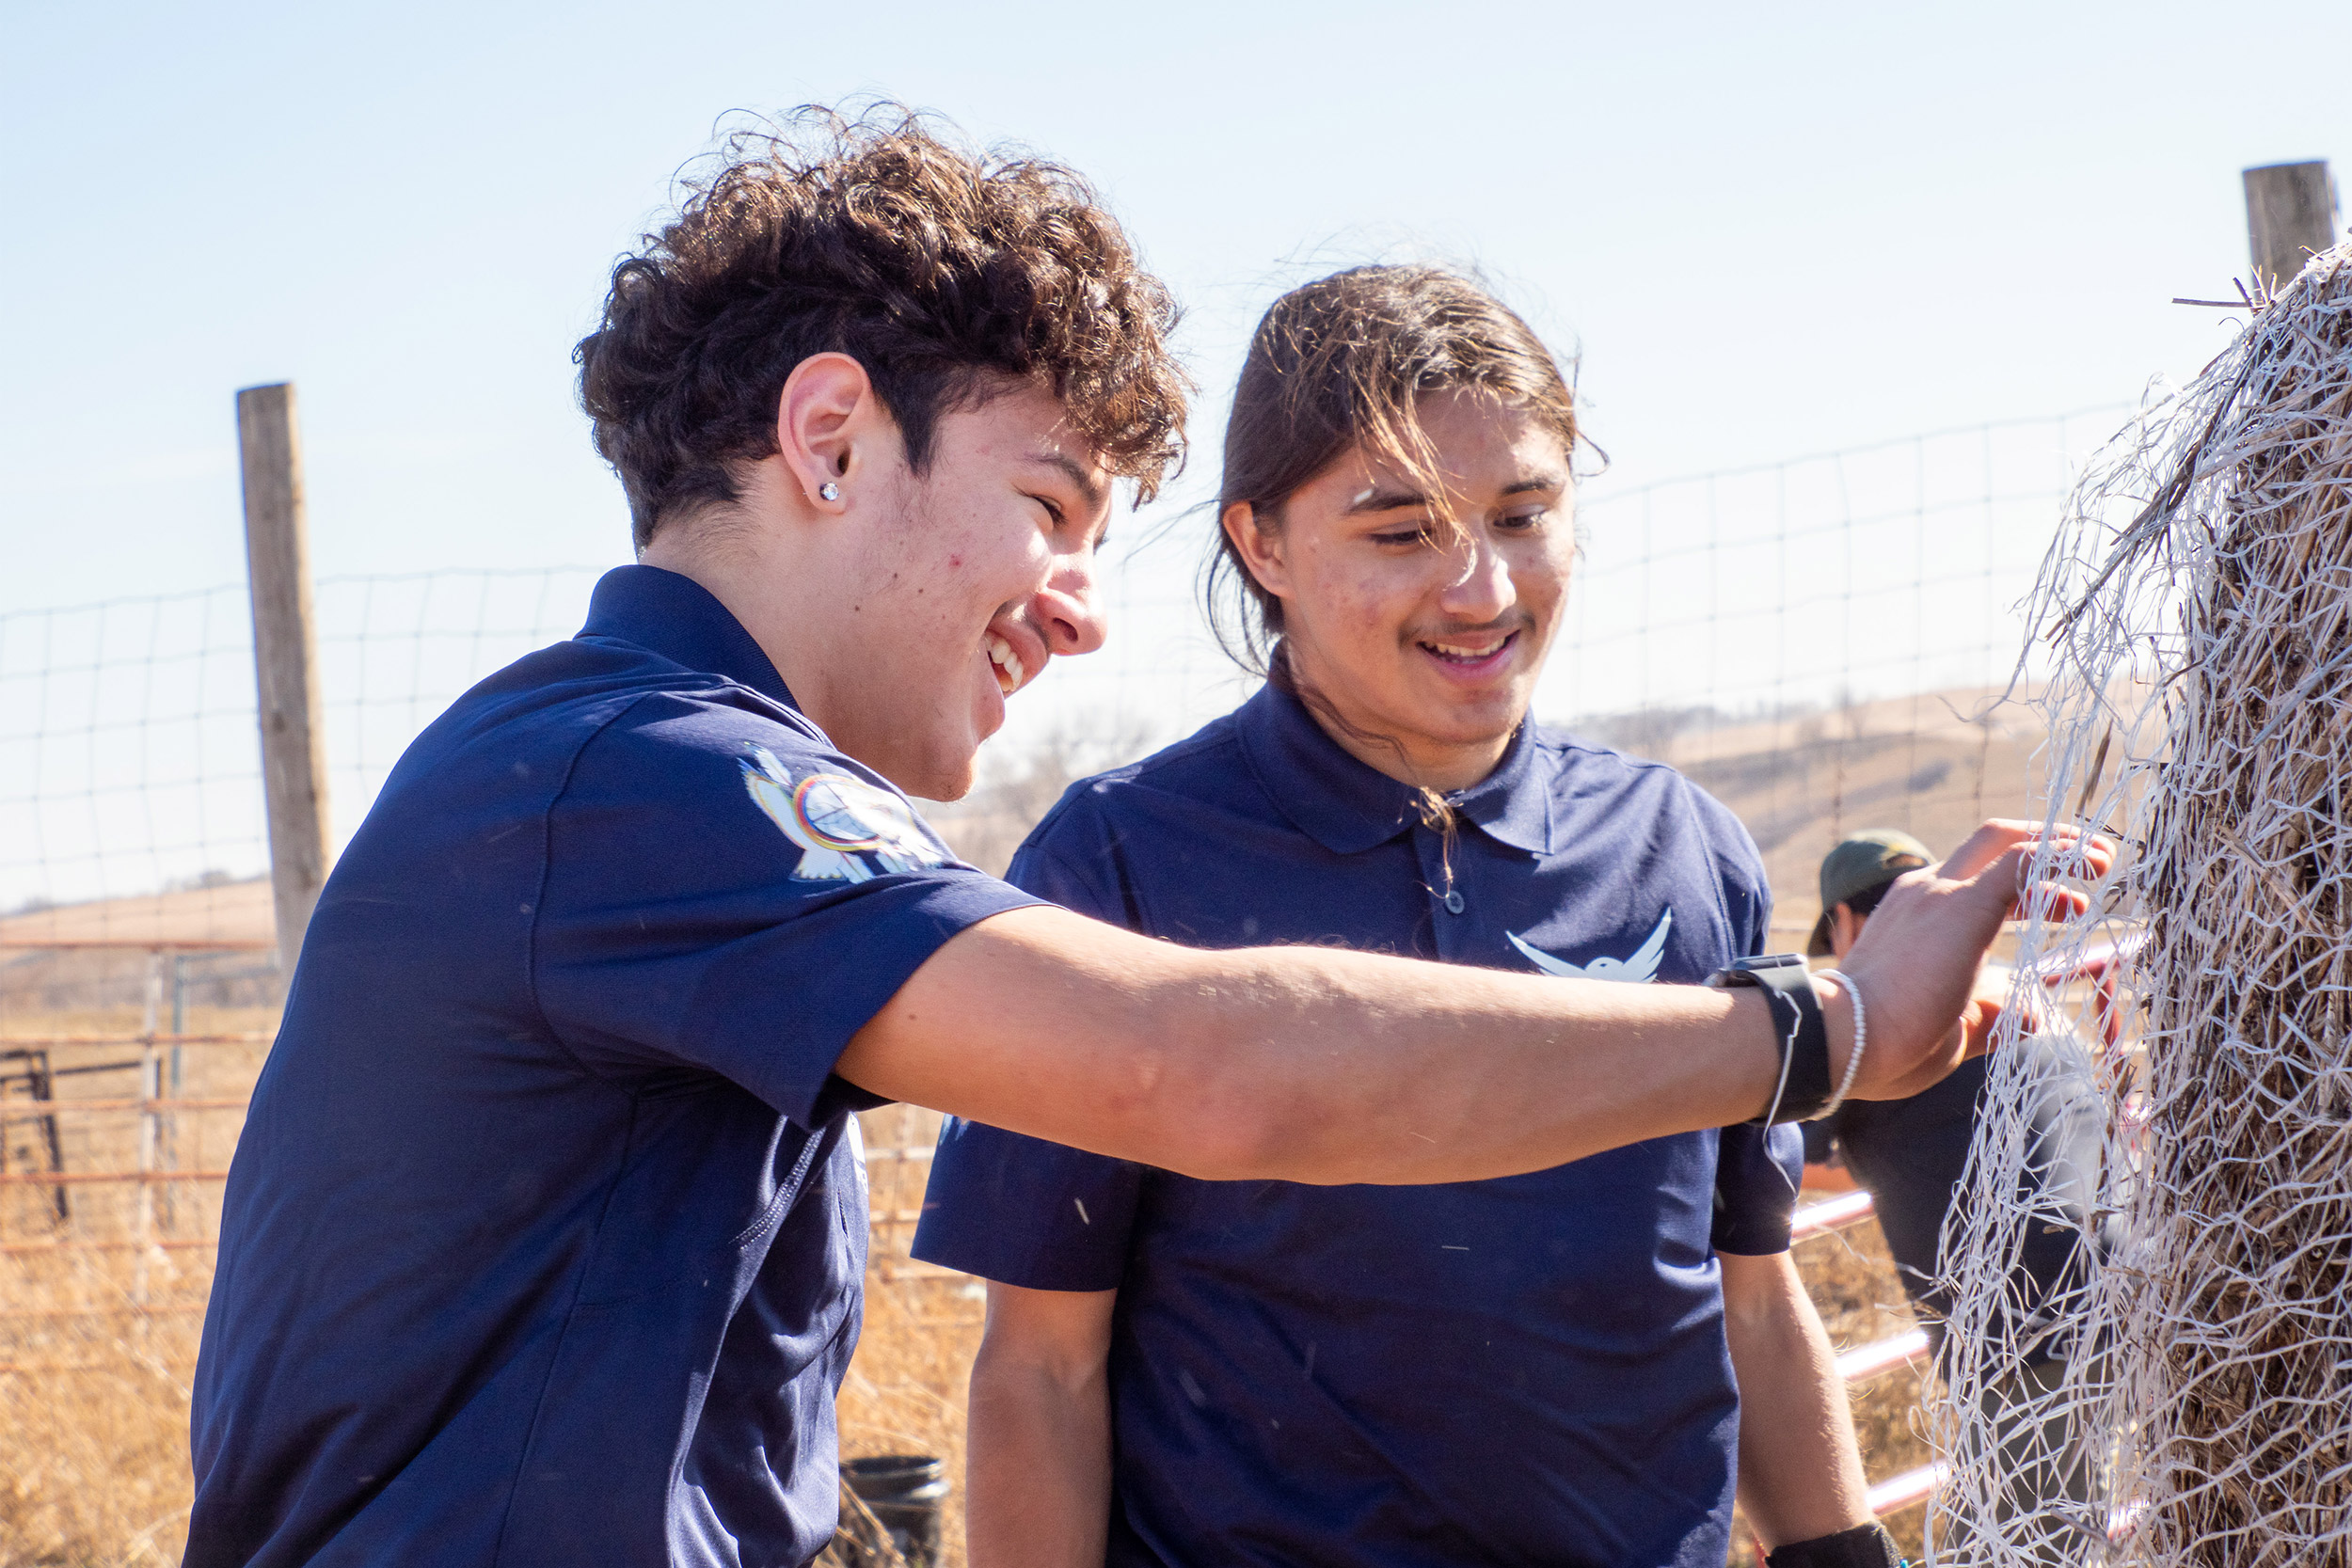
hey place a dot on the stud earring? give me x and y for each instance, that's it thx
(828, 491)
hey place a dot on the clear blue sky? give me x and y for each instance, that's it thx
(1771, 230)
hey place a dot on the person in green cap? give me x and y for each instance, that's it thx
(1854, 876)
(1912, 1154)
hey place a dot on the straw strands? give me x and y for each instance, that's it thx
(2193, 1400)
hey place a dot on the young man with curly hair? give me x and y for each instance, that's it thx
(543, 1240)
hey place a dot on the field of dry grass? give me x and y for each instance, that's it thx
(94, 1411)
(101, 1308)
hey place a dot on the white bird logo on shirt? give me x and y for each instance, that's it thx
(835, 820)
(1638, 968)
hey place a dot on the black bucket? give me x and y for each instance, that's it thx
(908, 1492)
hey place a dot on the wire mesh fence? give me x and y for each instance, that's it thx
(1818, 643)
(1869, 593)
(1825, 643)
(129, 767)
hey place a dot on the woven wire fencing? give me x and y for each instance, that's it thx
(137, 981)
(1819, 643)
(1831, 643)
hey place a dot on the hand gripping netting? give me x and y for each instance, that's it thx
(2188, 1400)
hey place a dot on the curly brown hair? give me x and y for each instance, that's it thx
(945, 272)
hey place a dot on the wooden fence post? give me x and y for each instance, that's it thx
(2290, 214)
(285, 659)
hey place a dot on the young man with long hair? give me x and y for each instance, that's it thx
(1578, 1364)
(544, 1238)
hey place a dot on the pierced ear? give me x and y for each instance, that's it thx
(1259, 546)
(824, 419)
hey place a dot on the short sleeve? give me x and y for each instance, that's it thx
(724, 893)
(1018, 1209)
(1757, 1172)
(1023, 1212)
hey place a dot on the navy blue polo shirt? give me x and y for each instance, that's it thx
(1524, 1371)
(545, 1238)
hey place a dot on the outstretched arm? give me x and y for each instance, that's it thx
(1321, 1065)
(1303, 1064)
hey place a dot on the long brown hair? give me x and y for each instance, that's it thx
(1346, 359)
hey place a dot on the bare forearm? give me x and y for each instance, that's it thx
(1304, 1064)
(1312, 1065)
(1039, 1493)
(1370, 1074)
(1800, 1473)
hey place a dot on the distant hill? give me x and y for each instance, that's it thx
(101, 957)
(216, 911)
(1927, 765)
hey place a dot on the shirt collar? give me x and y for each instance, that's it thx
(680, 619)
(1348, 807)
(1513, 804)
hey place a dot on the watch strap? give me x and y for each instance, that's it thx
(1862, 1546)
(1806, 1087)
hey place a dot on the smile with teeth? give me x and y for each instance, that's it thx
(1460, 653)
(1009, 672)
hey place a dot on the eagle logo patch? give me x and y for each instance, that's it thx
(845, 828)
(1637, 967)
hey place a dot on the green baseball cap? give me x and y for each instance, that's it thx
(1860, 863)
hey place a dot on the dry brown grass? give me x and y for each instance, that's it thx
(101, 1311)
(94, 1411)
(905, 1391)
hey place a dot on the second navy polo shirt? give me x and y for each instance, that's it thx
(1526, 1371)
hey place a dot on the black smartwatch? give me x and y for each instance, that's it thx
(1803, 1090)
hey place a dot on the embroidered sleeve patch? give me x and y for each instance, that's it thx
(847, 828)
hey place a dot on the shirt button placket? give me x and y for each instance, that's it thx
(1444, 891)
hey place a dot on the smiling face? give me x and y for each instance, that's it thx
(904, 608)
(1411, 633)
(969, 577)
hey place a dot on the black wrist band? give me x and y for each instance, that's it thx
(1862, 1546)
(1805, 1087)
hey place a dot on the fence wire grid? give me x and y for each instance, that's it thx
(1818, 643)
(1803, 597)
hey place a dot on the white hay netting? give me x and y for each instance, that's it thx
(2198, 601)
